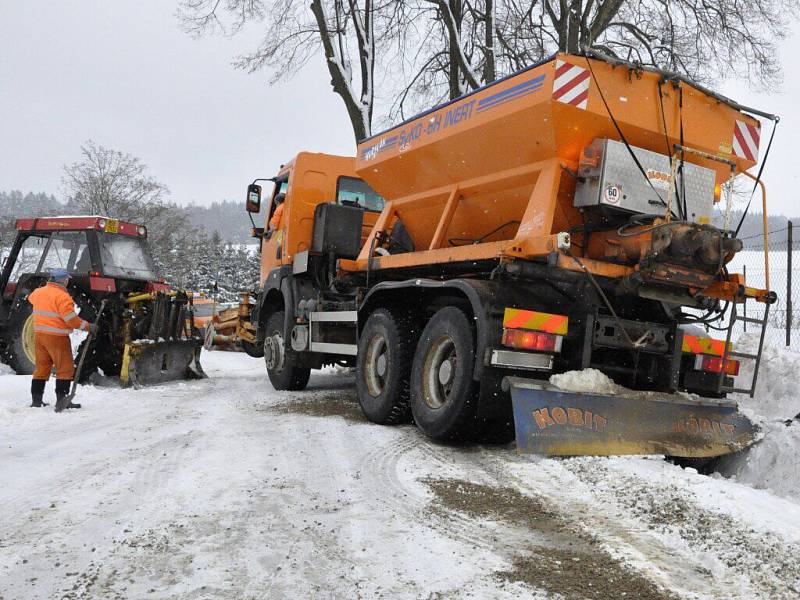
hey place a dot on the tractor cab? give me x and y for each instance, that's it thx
(100, 253)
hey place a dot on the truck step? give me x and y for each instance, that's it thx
(735, 390)
(753, 320)
(742, 355)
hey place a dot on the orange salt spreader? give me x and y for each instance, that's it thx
(560, 219)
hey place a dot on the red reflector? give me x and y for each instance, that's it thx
(713, 364)
(531, 340)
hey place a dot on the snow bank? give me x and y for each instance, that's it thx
(777, 396)
(588, 380)
(772, 463)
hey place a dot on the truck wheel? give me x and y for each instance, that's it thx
(20, 353)
(383, 366)
(444, 397)
(280, 359)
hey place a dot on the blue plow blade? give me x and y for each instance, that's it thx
(555, 422)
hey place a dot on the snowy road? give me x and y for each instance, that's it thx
(224, 488)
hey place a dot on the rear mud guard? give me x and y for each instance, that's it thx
(555, 422)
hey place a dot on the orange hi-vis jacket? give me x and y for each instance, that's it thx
(54, 311)
(275, 221)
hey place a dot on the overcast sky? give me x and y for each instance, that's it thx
(124, 74)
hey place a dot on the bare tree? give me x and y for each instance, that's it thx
(445, 48)
(108, 182)
(294, 32)
(699, 38)
(115, 184)
(486, 39)
(427, 51)
(334, 33)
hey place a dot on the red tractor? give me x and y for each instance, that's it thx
(144, 336)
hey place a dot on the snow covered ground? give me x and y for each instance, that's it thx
(223, 488)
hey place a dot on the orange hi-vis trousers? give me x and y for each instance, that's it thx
(53, 351)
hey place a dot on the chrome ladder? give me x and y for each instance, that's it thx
(728, 353)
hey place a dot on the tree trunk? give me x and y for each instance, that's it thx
(339, 80)
(489, 68)
(573, 22)
(454, 71)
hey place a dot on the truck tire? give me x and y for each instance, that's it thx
(19, 351)
(280, 358)
(383, 366)
(444, 397)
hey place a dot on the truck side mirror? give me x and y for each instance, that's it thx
(253, 204)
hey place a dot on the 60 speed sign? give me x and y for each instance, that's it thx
(612, 194)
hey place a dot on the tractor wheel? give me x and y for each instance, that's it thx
(444, 396)
(254, 350)
(20, 353)
(280, 359)
(100, 356)
(383, 366)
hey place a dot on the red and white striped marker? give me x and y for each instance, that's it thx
(745, 140)
(571, 85)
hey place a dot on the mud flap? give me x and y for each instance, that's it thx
(555, 422)
(146, 362)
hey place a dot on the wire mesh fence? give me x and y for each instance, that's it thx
(779, 260)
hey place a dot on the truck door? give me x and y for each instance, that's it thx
(272, 246)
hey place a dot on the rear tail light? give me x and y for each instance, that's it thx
(713, 364)
(538, 341)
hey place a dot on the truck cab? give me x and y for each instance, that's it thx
(308, 180)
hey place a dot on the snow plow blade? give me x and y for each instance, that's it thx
(147, 362)
(555, 422)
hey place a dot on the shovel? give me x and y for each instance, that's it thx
(65, 402)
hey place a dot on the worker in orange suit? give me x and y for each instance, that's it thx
(275, 221)
(54, 319)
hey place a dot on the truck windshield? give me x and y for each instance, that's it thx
(126, 257)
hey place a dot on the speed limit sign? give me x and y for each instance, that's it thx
(612, 194)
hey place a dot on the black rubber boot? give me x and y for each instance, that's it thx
(37, 393)
(62, 394)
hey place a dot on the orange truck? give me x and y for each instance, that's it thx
(556, 220)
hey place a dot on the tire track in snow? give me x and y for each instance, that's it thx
(635, 544)
(760, 564)
(381, 465)
(639, 547)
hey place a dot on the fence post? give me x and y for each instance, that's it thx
(744, 304)
(789, 285)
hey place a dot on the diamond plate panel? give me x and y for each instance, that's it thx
(617, 183)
